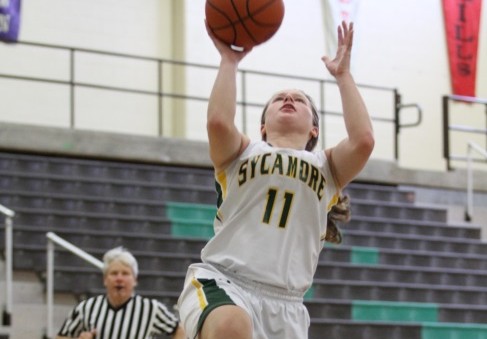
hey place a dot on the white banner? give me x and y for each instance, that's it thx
(334, 12)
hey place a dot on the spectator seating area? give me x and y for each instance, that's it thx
(402, 272)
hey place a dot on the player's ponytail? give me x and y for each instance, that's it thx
(340, 212)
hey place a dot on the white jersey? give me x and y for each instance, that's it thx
(272, 209)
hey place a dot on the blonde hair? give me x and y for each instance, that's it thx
(122, 255)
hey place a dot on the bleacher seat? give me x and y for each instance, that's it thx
(402, 271)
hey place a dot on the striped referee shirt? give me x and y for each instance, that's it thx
(138, 318)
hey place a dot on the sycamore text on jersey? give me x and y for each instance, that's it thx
(265, 164)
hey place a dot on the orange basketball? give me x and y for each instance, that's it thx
(244, 23)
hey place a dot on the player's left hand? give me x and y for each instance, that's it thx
(224, 49)
(341, 63)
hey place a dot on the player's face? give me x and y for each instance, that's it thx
(120, 282)
(289, 109)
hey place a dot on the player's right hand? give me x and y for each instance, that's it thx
(88, 335)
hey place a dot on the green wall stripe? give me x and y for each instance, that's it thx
(191, 228)
(371, 310)
(453, 331)
(309, 293)
(191, 220)
(190, 211)
(364, 255)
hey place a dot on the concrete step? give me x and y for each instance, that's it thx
(340, 328)
(29, 309)
(30, 320)
(103, 169)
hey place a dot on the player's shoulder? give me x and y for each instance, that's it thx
(255, 146)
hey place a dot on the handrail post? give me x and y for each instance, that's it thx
(7, 316)
(7, 313)
(72, 118)
(469, 211)
(50, 287)
(446, 134)
(471, 146)
(397, 103)
(160, 101)
(53, 239)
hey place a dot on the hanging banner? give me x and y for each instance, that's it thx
(9, 20)
(462, 25)
(334, 12)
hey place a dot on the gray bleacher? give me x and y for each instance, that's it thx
(420, 258)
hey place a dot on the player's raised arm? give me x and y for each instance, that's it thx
(226, 141)
(352, 153)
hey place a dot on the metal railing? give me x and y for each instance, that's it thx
(471, 147)
(449, 128)
(391, 94)
(52, 240)
(7, 312)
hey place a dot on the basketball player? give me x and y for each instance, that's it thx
(273, 198)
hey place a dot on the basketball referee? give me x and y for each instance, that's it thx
(120, 314)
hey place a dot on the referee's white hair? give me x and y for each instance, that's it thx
(124, 256)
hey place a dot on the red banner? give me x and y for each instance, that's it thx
(462, 24)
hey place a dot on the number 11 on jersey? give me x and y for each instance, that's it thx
(272, 195)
